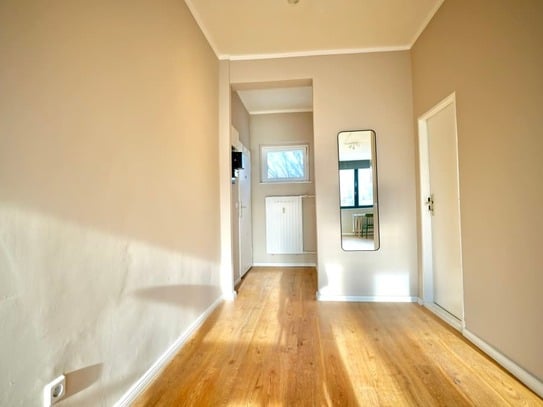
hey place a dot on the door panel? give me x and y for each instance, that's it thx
(445, 220)
(245, 221)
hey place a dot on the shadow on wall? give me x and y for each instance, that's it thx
(67, 291)
(102, 191)
(81, 379)
(192, 296)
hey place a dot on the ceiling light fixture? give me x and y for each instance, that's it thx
(293, 1)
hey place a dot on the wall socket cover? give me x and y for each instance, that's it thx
(54, 391)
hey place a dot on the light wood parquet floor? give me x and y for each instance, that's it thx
(275, 345)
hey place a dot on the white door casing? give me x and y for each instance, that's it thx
(441, 236)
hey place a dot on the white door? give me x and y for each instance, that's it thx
(245, 222)
(443, 209)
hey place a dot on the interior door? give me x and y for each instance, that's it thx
(444, 208)
(245, 222)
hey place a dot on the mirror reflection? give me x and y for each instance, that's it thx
(358, 190)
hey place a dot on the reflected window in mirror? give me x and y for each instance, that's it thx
(357, 169)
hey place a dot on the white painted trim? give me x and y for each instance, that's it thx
(203, 28)
(525, 377)
(425, 23)
(225, 180)
(277, 111)
(137, 388)
(295, 54)
(444, 315)
(449, 100)
(357, 298)
(284, 264)
(425, 220)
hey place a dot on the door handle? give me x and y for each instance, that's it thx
(430, 203)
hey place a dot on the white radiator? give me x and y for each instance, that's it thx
(284, 225)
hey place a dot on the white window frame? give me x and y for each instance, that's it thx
(265, 149)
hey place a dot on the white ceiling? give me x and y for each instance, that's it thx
(277, 100)
(252, 29)
(249, 29)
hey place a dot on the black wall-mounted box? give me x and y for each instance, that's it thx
(237, 162)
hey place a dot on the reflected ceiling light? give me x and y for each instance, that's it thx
(353, 145)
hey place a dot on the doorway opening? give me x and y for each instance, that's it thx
(273, 124)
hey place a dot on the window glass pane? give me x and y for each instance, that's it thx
(365, 187)
(285, 164)
(346, 180)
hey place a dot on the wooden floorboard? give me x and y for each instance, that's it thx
(276, 346)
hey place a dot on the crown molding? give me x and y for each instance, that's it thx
(295, 54)
(276, 111)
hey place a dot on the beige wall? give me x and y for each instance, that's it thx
(364, 91)
(273, 129)
(490, 53)
(240, 119)
(109, 222)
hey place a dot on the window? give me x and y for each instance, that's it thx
(347, 187)
(284, 163)
(356, 187)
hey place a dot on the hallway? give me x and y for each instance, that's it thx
(276, 346)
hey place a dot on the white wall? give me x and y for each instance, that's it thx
(273, 129)
(240, 119)
(364, 91)
(109, 222)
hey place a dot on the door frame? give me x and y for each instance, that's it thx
(425, 216)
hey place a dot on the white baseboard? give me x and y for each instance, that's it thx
(444, 315)
(525, 377)
(357, 298)
(137, 388)
(284, 264)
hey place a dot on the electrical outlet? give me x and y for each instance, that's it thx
(54, 391)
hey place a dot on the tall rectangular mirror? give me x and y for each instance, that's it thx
(358, 190)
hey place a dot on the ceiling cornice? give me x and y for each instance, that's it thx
(315, 53)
